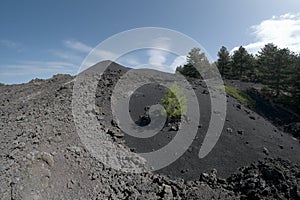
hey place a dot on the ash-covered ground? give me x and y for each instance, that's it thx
(42, 156)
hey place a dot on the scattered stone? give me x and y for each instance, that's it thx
(252, 117)
(267, 179)
(48, 158)
(247, 112)
(50, 117)
(147, 108)
(213, 177)
(94, 176)
(229, 130)
(184, 171)
(115, 132)
(221, 181)
(174, 127)
(20, 118)
(168, 194)
(57, 138)
(70, 184)
(294, 129)
(266, 151)
(205, 92)
(241, 132)
(204, 177)
(144, 120)
(114, 123)
(36, 141)
(239, 106)
(75, 149)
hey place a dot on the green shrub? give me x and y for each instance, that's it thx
(2, 84)
(174, 107)
(240, 96)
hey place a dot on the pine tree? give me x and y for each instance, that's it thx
(295, 84)
(197, 63)
(274, 66)
(223, 62)
(251, 68)
(240, 62)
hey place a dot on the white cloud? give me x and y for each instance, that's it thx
(158, 56)
(77, 51)
(8, 43)
(12, 45)
(78, 46)
(130, 60)
(84, 48)
(68, 59)
(38, 68)
(48, 63)
(66, 55)
(283, 31)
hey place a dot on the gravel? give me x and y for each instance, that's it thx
(42, 156)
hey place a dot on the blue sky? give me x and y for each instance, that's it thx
(42, 38)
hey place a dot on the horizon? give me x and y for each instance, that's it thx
(41, 39)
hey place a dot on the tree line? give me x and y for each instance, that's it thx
(277, 68)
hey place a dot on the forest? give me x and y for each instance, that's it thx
(278, 69)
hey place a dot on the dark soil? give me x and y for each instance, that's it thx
(282, 117)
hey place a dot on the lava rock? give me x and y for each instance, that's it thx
(266, 151)
(48, 158)
(144, 120)
(229, 130)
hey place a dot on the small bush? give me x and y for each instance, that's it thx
(174, 107)
(240, 96)
(2, 84)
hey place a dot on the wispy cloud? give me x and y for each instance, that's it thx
(37, 68)
(94, 55)
(77, 46)
(158, 57)
(283, 31)
(22, 72)
(70, 56)
(65, 61)
(11, 45)
(67, 55)
(8, 43)
(131, 61)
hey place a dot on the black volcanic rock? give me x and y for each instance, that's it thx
(267, 179)
(42, 157)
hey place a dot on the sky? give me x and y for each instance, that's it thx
(41, 38)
